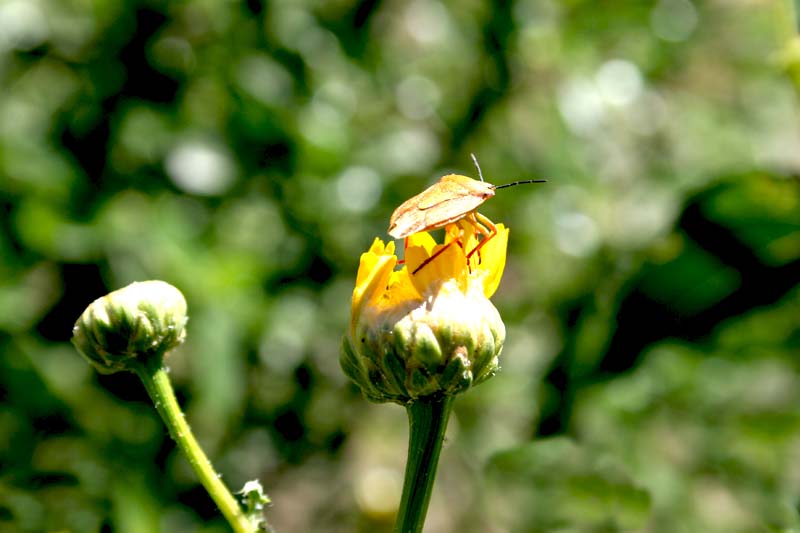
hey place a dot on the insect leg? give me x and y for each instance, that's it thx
(456, 240)
(485, 227)
(431, 258)
(405, 249)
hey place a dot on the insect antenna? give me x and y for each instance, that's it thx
(517, 183)
(475, 160)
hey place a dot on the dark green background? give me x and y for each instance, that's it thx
(248, 152)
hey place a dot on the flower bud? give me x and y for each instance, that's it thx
(425, 334)
(441, 349)
(131, 326)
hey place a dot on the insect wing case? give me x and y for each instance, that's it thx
(444, 202)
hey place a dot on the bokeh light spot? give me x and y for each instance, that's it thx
(576, 234)
(673, 20)
(581, 105)
(619, 81)
(200, 167)
(358, 188)
(264, 79)
(417, 97)
(22, 25)
(378, 491)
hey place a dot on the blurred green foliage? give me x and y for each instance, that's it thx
(248, 152)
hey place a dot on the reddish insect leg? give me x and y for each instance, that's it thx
(482, 225)
(431, 258)
(405, 249)
(485, 227)
(456, 240)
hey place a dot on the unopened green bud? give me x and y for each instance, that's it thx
(131, 326)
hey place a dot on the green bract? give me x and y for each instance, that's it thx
(131, 325)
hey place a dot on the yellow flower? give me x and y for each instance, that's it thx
(428, 328)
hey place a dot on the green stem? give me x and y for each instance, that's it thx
(158, 386)
(428, 421)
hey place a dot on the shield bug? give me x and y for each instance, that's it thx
(452, 200)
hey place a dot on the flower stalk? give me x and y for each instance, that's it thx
(427, 425)
(156, 380)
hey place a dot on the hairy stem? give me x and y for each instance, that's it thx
(156, 381)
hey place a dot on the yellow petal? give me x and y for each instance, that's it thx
(374, 271)
(422, 239)
(368, 261)
(493, 260)
(399, 292)
(450, 263)
(457, 232)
